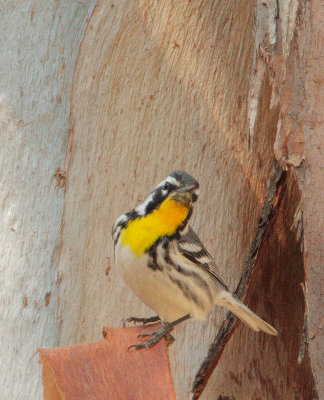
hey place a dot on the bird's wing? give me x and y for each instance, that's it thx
(193, 250)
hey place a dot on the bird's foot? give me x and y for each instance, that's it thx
(143, 321)
(163, 332)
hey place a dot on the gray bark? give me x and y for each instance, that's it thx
(39, 43)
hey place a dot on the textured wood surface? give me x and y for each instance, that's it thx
(39, 42)
(216, 88)
(299, 144)
(106, 370)
(168, 89)
(274, 368)
(311, 178)
(288, 40)
(253, 266)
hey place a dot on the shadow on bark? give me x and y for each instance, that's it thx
(273, 285)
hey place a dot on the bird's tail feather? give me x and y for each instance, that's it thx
(244, 313)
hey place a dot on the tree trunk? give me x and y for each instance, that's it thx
(39, 44)
(217, 88)
(159, 92)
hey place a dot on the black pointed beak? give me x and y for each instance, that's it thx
(187, 188)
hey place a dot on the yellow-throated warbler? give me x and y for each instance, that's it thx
(166, 265)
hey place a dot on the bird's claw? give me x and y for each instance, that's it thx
(164, 331)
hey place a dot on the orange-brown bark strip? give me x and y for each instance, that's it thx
(271, 202)
(107, 370)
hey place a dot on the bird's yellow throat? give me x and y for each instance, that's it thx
(142, 232)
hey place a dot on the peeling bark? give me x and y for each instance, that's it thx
(191, 86)
(229, 325)
(217, 88)
(288, 65)
(166, 87)
(281, 364)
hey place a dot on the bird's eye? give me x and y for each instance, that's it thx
(167, 186)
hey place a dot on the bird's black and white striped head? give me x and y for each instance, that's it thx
(174, 182)
(177, 182)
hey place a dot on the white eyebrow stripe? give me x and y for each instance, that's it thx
(168, 179)
(141, 208)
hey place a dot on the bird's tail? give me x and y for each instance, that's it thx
(244, 313)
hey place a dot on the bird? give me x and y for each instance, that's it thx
(166, 265)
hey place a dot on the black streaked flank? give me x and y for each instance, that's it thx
(185, 290)
(152, 262)
(194, 275)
